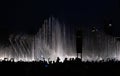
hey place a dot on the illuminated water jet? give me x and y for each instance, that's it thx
(54, 39)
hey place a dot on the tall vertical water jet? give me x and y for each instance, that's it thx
(51, 41)
(97, 45)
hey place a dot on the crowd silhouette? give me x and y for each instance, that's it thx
(69, 67)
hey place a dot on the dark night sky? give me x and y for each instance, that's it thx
(26, 16)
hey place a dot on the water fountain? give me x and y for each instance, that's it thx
(50, 42)
(54, 40)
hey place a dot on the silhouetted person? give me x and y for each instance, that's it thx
(58, 60)
(65, 60)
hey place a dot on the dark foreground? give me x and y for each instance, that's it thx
(73, 67)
